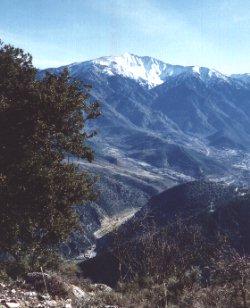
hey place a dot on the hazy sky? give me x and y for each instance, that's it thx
(212, 33)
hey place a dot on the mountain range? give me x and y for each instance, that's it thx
(161, 125)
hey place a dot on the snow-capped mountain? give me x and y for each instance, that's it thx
(145, 70)
(193, 111)
(162, 124)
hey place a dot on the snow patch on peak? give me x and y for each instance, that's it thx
(146, 70)
(207, 74)
(150, 71)
(196, 69)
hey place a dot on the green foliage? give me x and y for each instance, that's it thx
(41, 122)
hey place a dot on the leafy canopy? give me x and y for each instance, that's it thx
(41, 122)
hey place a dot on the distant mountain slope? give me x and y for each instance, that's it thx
(245, 78)
(199, 107)
(198, 202)
(190, 200)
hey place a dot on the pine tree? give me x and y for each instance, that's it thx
(41, 122)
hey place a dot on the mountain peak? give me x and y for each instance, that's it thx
(149, 71)
(145, 70)
(206, 73)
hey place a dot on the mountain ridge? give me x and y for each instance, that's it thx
(150, 71)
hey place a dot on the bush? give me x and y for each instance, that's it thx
(179, 265)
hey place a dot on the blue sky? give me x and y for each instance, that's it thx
(212, 33)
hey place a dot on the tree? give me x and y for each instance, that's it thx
(41, 122)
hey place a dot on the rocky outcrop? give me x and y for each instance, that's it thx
(47, 290)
